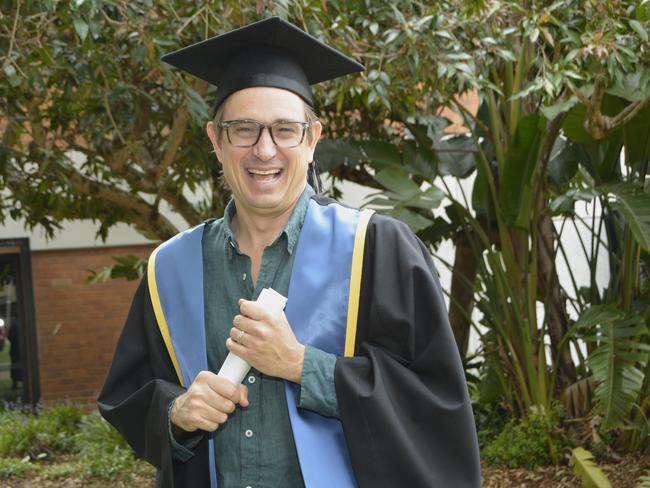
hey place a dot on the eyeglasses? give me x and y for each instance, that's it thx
(247, 133)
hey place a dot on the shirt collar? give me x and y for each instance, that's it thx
(291, 229)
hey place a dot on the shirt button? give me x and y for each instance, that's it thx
(243, 278)
(249, 486)
(251, 379)
(248, 433)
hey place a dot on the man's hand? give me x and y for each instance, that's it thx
(267, 343)
(207, 403)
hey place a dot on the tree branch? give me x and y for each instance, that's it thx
(600, 126)
(37, 132)
(13, 31)
(110, 113)
(183, 206)
(119, 161)
(149, 217)
(628, 113)
(174, 140)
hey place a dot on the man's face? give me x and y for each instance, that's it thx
(265, 179)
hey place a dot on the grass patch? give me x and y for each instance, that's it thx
(48, 432)
(10, 467)
(60, 471)
(27, 437)
(104, 453)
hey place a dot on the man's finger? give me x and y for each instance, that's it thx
(252, 310)
(211, 422)
(236, 348)
(243, 392)
(222, 387)
(245, 323)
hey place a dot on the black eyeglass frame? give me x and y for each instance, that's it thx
(228, 123)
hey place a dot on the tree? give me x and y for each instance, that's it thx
(564, 118)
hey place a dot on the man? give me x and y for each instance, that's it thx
(359, 382)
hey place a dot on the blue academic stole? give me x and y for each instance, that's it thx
(322, 308)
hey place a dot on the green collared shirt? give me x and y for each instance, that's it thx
(255, 447)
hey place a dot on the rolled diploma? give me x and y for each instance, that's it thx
(235, 368)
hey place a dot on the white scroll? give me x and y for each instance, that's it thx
(235, 368)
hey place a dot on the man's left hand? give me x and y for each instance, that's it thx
(268, 344)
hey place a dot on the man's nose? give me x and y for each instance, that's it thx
(265, 148)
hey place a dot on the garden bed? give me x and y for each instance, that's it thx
(63, 447)
(625, 474)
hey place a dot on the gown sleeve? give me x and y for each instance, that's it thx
(137, 393)
(403, 398)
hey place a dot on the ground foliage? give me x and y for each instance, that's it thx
(535, 440)
(98, 457)
(61, 442)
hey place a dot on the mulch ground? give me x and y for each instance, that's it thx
(624, 474)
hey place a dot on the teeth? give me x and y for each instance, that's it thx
(264, 172)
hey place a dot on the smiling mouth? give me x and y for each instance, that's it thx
(264, 174)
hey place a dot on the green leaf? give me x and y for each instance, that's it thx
(397, 181)
(598, 314)
(618, 344)
(419, 160)
(636, 135)
(573, 126)
(437, 232)
(332, 154)
(481, 201)
(516, 184)
(381, 153)
(645, 481)
(585, 468)
(12, 76)
(420, 133)
(552, 111)
(563, 164)
(639, 29)
(128, 267)
(81, 27)
(632, 87)
(196, 106)
(565, 203)
(415, 221)
(634, 204)
(457, 156)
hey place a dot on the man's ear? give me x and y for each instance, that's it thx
(316, 128)
(211, 129)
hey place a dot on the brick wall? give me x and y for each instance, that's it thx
(77, 324)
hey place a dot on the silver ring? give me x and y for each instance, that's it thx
(239, 337)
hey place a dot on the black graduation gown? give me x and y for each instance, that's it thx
(403, 399)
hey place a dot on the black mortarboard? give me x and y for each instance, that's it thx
(271, 52)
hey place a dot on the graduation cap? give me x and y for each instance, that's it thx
(271, 52)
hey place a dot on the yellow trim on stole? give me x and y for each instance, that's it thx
(158, 311)
(355, 281)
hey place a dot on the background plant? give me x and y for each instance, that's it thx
(96, 451)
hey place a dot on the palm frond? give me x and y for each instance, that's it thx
(645, 481)
(620, 350)
(588, 472)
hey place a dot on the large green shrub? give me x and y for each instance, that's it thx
(530, 441)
